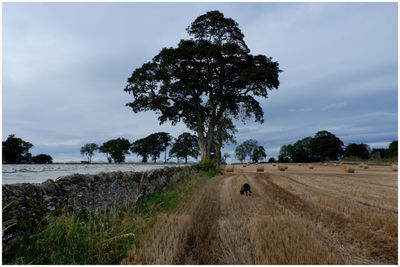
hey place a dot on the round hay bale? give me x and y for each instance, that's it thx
(260, 168)
(229, 168)
(365, 166)
(335, 164)
(244, 165)
(282, 168)
(394, 167)
(325, 164)
(299, 164)
(349, 169)
(361, 165)
(273, 164)
(310, 167)
(320, 163)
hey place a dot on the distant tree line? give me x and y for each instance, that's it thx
(150, 147)
(326, 146)
(16, 151)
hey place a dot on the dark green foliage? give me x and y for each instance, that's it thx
(116, 149)
(258, 154)
(16, 150)
(240, 153)
(42, 159)
(323, 146)
(185, 145)
(204, 78)
(152, 145)
(271, 160)
(357, 150)
(392, 150)
(207, 164)
(88, 150)
(326, 146)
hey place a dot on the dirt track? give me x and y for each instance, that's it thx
(300, 216)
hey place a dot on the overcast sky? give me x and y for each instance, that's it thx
(65, 66)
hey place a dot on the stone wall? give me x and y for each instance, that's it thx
(26, 205)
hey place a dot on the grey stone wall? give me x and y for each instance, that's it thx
(26, 205)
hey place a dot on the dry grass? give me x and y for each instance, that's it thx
(301, 216)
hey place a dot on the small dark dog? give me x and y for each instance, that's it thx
(245, 188)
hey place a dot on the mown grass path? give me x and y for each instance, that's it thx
(292, 217)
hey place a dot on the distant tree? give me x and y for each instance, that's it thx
(392, 150)
(204, 78)
(165, 140)
(258, 154)
(142, 147)
(185, 145)
(326, 146)
(116, 149)
(302, 151)
(357, 150)
(240, 153)
(382, 152)
(42, 159)
(88, 150)
(16, 150)
(271, 160)
(286, 153)
(249, 146)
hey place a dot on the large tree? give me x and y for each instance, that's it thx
(185, 145)
(88, 150)
(204, 78)
(357, 150)
(326, 146)
(392, 150)
(16, 150)
(258, 154)
(116, 149)
(42, 159)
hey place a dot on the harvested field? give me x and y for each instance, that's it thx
(300, 216)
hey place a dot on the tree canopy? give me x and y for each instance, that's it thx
(42, 159)
(323, 146)
(16, 150)
(185, 145)
(203, 78)
(357, 150)
(251, 149)
(116, 149)
(88, 150)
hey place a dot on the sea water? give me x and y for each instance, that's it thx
(37, 173)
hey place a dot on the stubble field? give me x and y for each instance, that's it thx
(298, 216)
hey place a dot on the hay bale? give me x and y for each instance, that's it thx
(335, 164)
(365, 166)
(260, 168)
(325, 164)
(229, 168)
(349, 169)
(299, 164)
(320, 163)
(310, 167)
(244, 165)
(282, 168)
(361, 165)
(394, 167)
(273, 164)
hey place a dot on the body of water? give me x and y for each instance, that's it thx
(37, 173)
